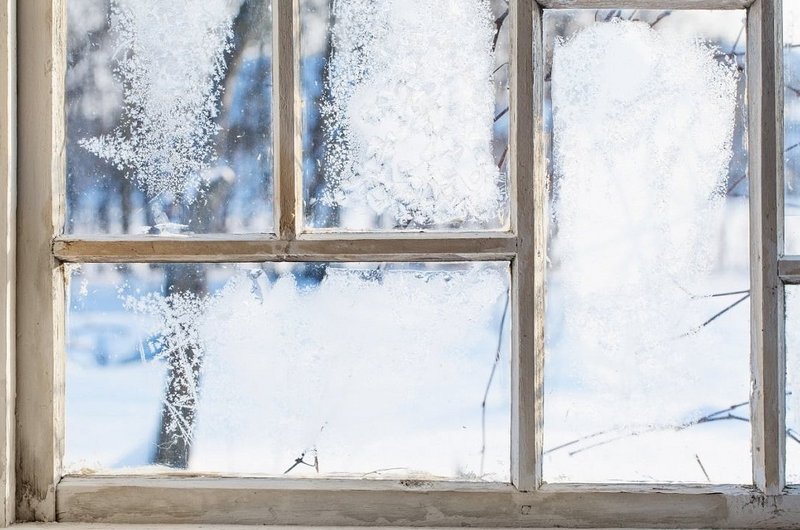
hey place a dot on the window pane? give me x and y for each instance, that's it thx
(792, 384)
(169, 116)
(791, 116)
(360, 370)
(405, 122)
(647, 330)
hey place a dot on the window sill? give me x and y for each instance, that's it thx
(101, 526)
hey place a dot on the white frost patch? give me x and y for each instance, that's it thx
(643, 126)
(410, 113)
(171, 57)
(369, 370)
(792, 382)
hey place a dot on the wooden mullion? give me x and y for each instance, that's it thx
(40, 279)
(789, 269)
(540, 234)
(288, 194)
(764, 89)
(110, 249)
(525, 438)
(8, 153)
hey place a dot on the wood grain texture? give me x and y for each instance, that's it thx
(40, 316)
(248, 249)
(644, 4)
(414, 503)
(100, 526)
(789, 269)
(540, 225)
(8, 197)
(287, 146)
(523, 375)
(765, 106)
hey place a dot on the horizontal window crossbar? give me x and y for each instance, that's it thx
(789, 269)
(318, 247)
(156, 500)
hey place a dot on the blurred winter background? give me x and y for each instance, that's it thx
(376, 370)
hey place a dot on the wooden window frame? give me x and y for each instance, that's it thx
(34, 486)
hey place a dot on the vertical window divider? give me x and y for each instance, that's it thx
(8, 153)
(526, 359)
(765, 115)
(540, 225)
(40, 310)
(287, 146)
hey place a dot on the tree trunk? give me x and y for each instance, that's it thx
(179, 409)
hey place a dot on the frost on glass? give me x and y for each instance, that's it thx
(792, 384)
(405, 118)
(647, 290)
(364, 370)
(791, 116)
(169, 116)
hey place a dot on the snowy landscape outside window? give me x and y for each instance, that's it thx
(426, 262)
(647, 289)
(150, 384)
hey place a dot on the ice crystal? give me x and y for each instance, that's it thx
(176, 340)
(410, 109)
(170, 61)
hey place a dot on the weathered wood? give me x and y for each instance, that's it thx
(414, 503)
(764, 90)
(644, 4)
(100, 526)
(540, 224)
(287, 146)
(789, 269)
(309, 248)
(40, 315)
(523, 373)
(8, 197)
(118, 500)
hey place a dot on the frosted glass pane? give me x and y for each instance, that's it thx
(405, 121)
(647, 334)
(169, 116)
(792, 384)
(358, 370)
(791, 116)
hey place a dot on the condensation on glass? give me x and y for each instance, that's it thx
(405, 114)
(362, 370)
(169, 117)
(647, 323)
